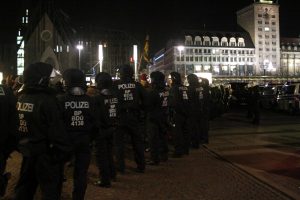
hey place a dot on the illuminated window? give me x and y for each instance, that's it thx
(267, 29)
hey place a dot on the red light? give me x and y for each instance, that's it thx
(131, 59)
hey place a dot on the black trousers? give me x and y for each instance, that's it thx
(129, 126)
(104, 155)
(43, 171)
(194, 130)
(82, 158)
(3, 180)
(204, 129)
(180, 135)
(157, 140)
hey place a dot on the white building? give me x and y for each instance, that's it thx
(261, 21)
(290, 57)
(255, 51)
(219, 53)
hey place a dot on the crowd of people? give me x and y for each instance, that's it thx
(51, 123)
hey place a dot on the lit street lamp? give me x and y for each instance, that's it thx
(79, 47)
(100, 56)
(135, 55)
(180, 49)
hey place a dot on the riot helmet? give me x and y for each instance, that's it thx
(157, 78)
(74, 78)
(175, 78)
(37, 74)
(103, 80)
(126, 72)
(193, 80)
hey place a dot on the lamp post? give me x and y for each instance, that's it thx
(79, 47)
(100, 57)
(180, 49)
(135, 55)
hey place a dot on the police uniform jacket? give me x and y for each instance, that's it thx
(196, 100)
(179, 100)
(157, 104)
(79, 112)
(108, 104)
(131, 95)
(8, 117)
(40, 127)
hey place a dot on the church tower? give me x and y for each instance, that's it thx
(261, 20)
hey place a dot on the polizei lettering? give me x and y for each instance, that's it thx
(126, 86)
(25, 107)
(77, 104)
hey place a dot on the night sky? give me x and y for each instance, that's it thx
(160, 19)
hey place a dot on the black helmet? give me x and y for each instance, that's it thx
(204, 82)
(176, 78)
(37, 74)
(157, 78)
(103, 80)
(74, 78)
(126, 72)
(193, 80)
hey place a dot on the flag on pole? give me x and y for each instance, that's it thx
(144, 58)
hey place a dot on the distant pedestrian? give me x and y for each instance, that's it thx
(255, 98)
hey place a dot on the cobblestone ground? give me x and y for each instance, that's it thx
(199, 176)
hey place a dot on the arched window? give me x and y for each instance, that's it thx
(198, 41)
(241, 42)
(215, 41)
(232, 42)
(188, 40)
(224, 42)
(206, 41)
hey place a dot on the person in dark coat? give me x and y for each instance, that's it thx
(157, 107)
(108, 103)
(179, 112)
(196, 99)
(42, 139)
(255, 105)
(79, 116)
(132, 99)
(8, 124)
(204, 123)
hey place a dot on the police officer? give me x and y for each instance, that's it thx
(42, 139)
(108, 103)
(179, 111)
(157, 106)
(204, 120)
(8, 124)
(81, 123)
(196, 98)
(132, 97)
